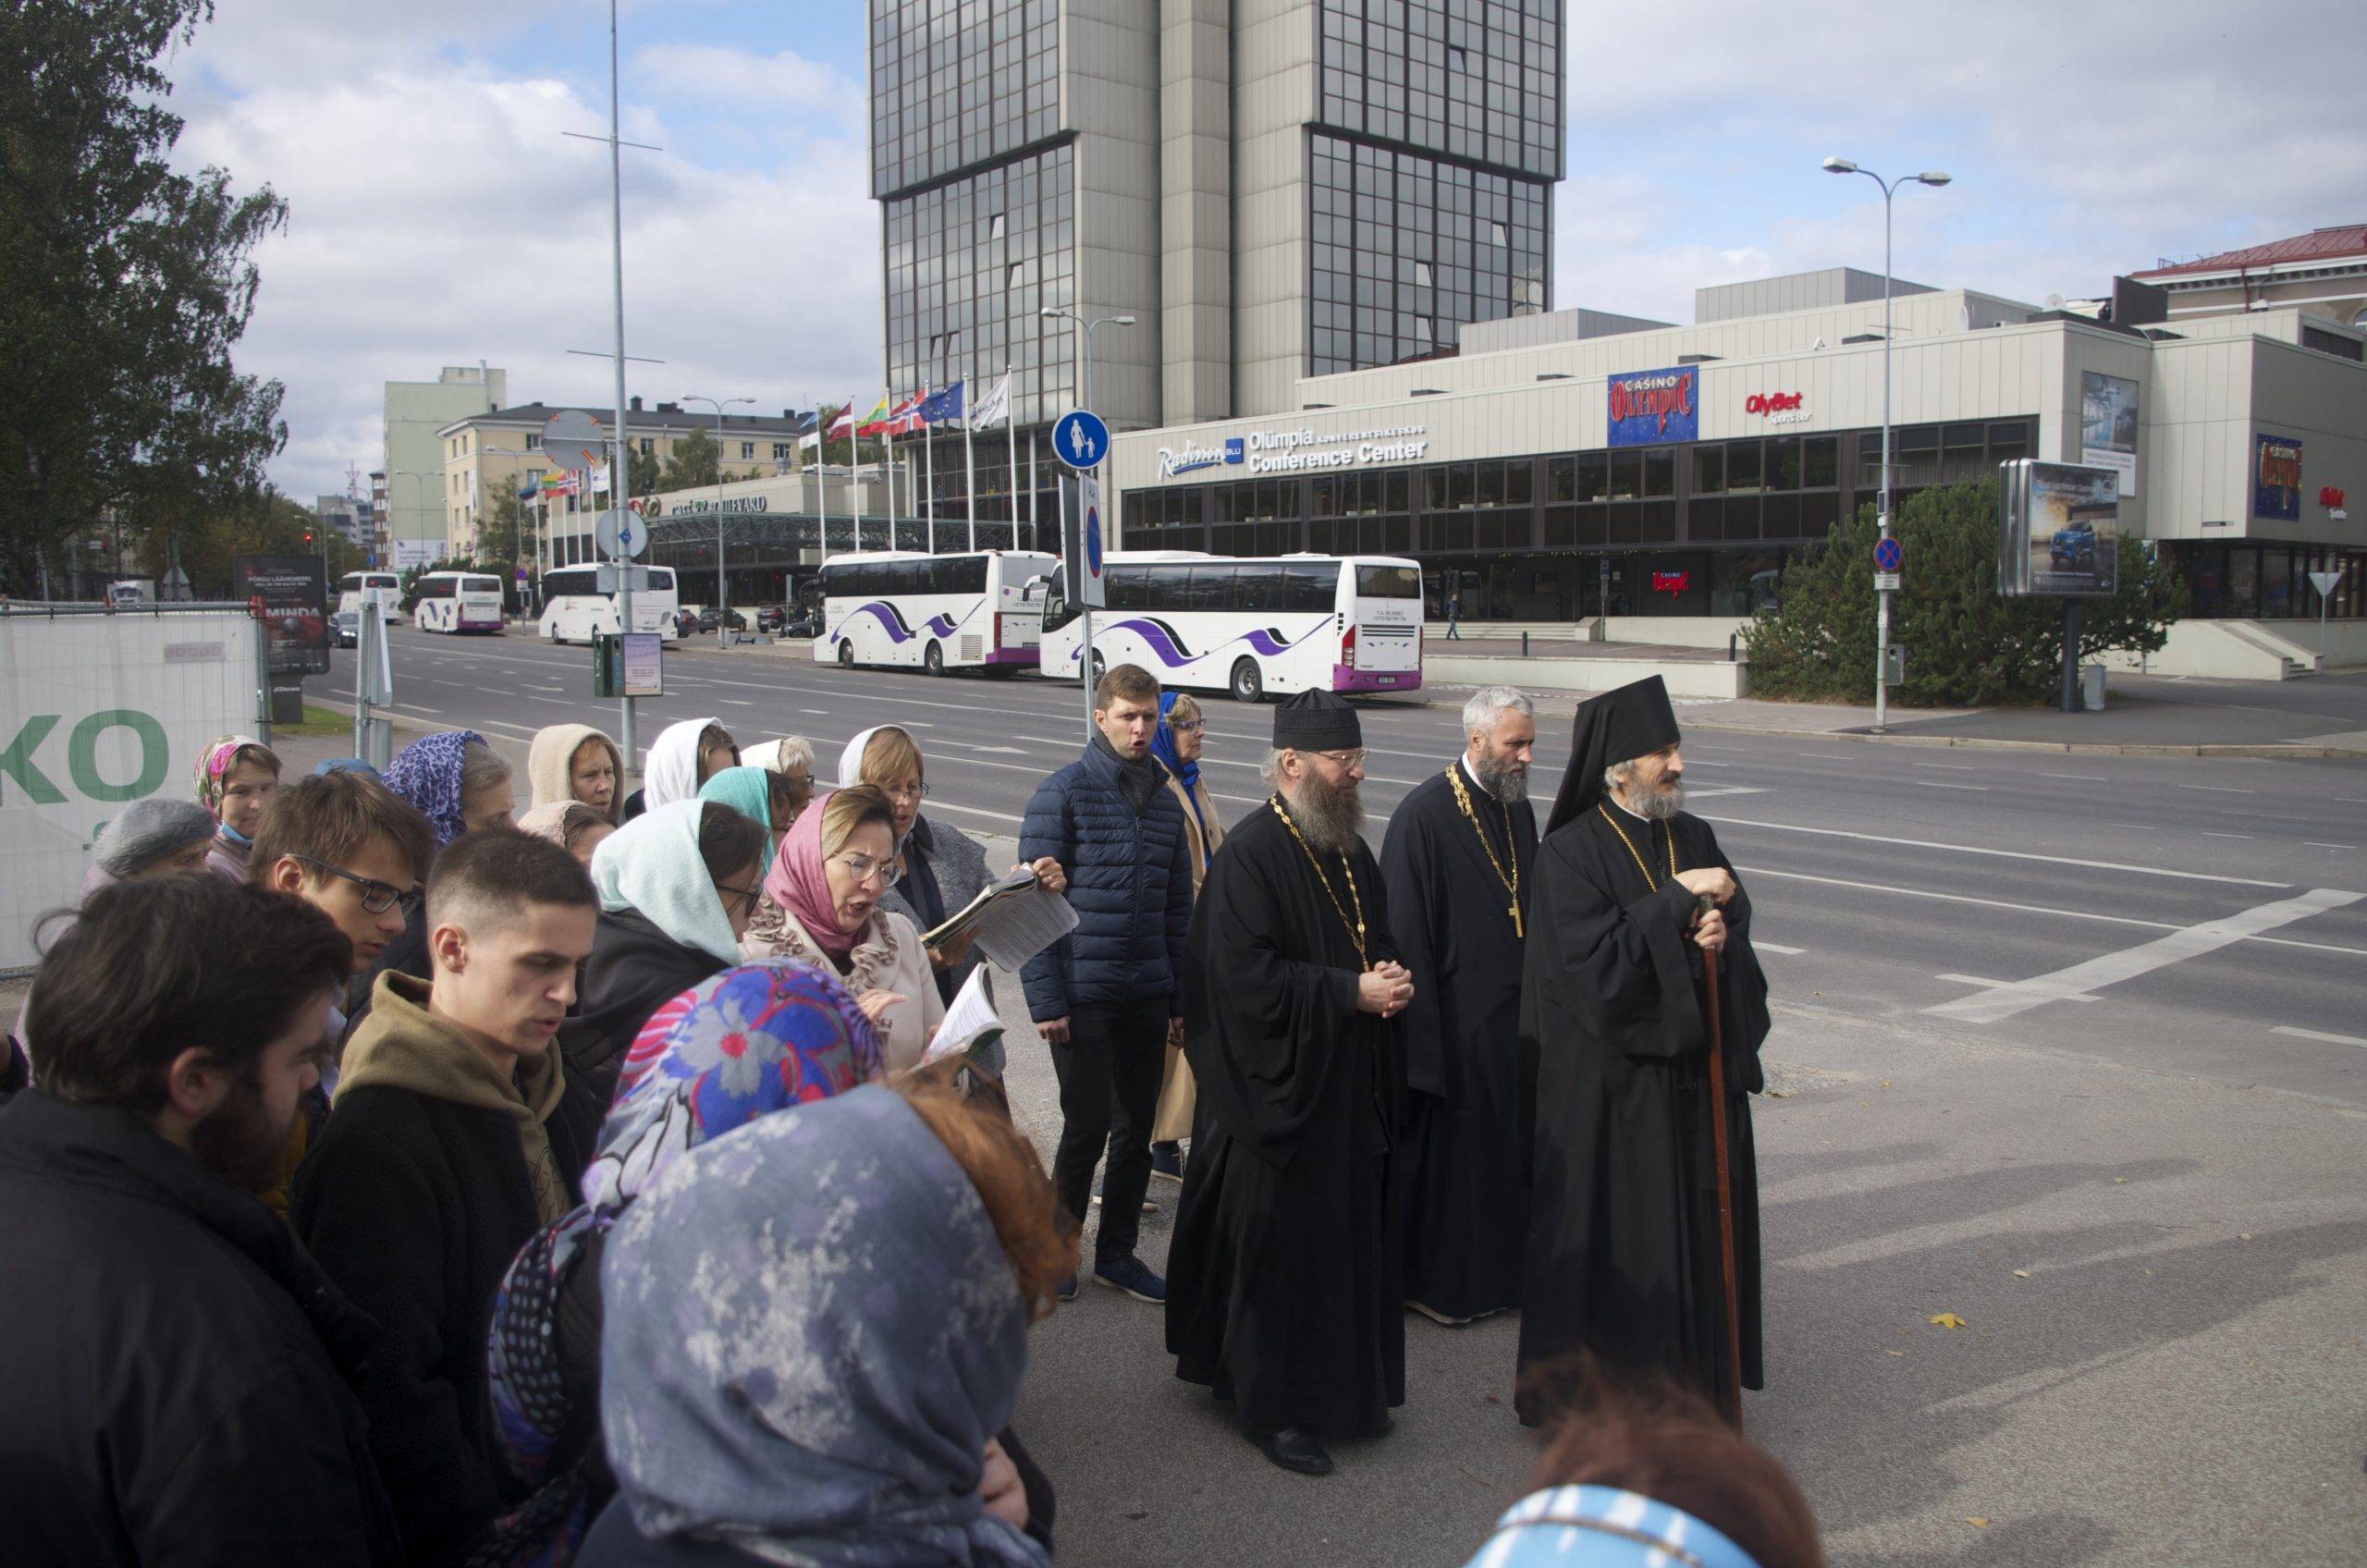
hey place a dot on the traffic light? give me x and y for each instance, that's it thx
(308, 536)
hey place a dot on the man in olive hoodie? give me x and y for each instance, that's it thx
(452, 1137)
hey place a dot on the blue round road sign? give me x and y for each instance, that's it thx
(1887, 555)
(1093, 541)
(1080, 439)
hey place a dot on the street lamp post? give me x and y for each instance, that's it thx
(1882, 506)
(722, 591)
(1085, 395)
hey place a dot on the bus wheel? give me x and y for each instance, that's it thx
(1248, 686)
(933, 659)
(846, 654)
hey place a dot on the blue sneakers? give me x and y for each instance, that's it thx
(1131, 1275)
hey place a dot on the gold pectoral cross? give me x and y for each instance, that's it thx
(1513, 910)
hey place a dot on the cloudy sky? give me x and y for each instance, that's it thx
(441, 214)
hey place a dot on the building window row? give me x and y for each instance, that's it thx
(1480, 80)
(955, 82)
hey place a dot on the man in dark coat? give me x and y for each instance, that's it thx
(1102, 995)
(1456, 858)
(177, 1374)
(1286, 1299)
(452, 1137)
(1623, 1255)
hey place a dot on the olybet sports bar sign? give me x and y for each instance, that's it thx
(1298, 451)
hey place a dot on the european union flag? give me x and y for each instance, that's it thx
(946, 405)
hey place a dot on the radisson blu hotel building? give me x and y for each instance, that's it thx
(1331, 222)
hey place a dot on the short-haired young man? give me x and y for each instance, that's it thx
(177, 1368)
(452, 1137)
(1102, 996)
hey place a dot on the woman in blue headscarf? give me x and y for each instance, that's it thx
(816, 1327)
(458, 782)
(1176, 743)
(754, 1040)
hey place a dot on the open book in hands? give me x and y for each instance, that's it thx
(1011, 920)
(971, 1023)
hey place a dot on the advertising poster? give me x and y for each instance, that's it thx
(642, 674)
(2276, 478)
(2059, 531)
(289, 595)
(2108, 425)
(1649, 406)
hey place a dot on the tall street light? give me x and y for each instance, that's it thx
(722, 592)
(1881, 507)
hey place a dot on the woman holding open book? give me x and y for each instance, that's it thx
(822, 906)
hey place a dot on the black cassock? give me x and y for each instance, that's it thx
(1622, 1251)
(1458, 1189)
(1283, 1291)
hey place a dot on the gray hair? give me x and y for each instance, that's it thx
(147, 830)
(1480, 712)
(793, 749)
(481, 768)
(1614, 778)
(1271, 770)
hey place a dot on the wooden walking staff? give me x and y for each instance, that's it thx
(1730, 1389)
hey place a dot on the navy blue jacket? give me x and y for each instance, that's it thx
(1130, 882)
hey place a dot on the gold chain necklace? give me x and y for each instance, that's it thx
(1638, 858)
(1511, 882)
(1357, 926)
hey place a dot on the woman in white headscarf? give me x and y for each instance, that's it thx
(683, 757)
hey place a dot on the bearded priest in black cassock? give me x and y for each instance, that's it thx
(1457, 859)
(1623, 1256)
(1282, 1283)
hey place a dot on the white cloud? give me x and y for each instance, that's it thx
(744, 81)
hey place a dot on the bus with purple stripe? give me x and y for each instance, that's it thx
(980, 609)
(1272, 624)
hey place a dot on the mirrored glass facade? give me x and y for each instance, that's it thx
(958, 82)
(1476, 79)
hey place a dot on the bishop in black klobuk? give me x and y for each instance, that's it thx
(1623, 1256)
(1458, 858)
(1283, 1295)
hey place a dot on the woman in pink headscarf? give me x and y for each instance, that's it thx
(237, 777)
(821, 906)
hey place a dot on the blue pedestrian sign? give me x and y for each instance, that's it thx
(1080, 439)
(1888, 553)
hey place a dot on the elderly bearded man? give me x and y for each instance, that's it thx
(1457, 859)
(1283, 1290)
(1614, 1084)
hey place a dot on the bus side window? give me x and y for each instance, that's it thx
(1058, 611)
(1311, 587)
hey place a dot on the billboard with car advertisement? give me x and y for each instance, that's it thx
(2108, 425)
(2058, 530)
(1646, 408)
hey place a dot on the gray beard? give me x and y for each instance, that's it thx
(1656, 805)
(1332, 819)
(1507, 781)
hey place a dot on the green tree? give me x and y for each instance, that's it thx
(125, 285)
(1965, 643)
(506, 534)
(691, 464)
(643, 475)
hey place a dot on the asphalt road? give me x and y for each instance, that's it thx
(2072, 1047)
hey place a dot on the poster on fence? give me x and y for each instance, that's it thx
(97, 711)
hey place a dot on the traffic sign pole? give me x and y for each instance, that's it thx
(1889, 554)
(1081, 441)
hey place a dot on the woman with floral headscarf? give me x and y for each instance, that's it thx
(237, 776)
(753, 1040)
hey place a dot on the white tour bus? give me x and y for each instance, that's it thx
(458, 601)
(982, 609)
(1250, 625)
(355, 585)
(574, 608)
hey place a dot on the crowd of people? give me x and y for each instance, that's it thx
(394, 1170)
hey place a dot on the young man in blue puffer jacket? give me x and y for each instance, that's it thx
(1106, 996)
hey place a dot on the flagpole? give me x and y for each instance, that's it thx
(891, 442)
(854, 480)
(1035, 535)
(969, 452)
(928, 488)
(822, 482)
(1010, 448)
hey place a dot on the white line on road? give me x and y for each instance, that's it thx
(1951, 766)
(1759, 946)
(2111, 969)
(2313, 844)
(2083, 777)
(2040, 986)
(1827, 756)
(824, 712)
(1985, 850)
(2208, 834)
(1936, 784)
(2219, 789)
(2318, 1034)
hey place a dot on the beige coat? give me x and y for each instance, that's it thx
(1177, 1094)
(888, 958)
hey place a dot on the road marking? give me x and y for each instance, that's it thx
(936, 805)
(1006, 751)
(1936, 784)
(2025, 909)
(1826, 757)
(2135, 827)
(1985, 850)
(1759, 946)
(2111, 969)
(824, 712)
(1952, 766)
(2038, 985)
(2208, 834)
(2313, 844)
(735, 703)
(2083, 777)
(2218, 788)
(2318, 1034)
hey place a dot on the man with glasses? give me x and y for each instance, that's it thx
(1286, 1299)
(1101, 996)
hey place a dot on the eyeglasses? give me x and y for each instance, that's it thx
(1188, 727)
(916, 792)
(798, 780)
(377, 897)
(862, 868)
(747, 896)
(1345, 759)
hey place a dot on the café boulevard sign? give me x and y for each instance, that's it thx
(1298, 451)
